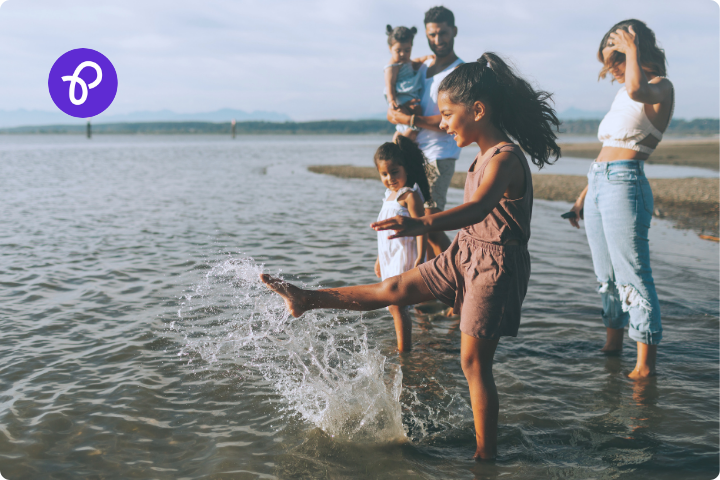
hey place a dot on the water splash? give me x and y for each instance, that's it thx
(321, 365)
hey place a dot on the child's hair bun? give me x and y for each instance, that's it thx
(400, 34)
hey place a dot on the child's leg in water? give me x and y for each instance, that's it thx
(403, 327)
(477, 359)
(406, 289)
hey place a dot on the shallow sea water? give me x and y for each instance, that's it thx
(137, 342)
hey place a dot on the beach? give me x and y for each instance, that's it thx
(691, 203)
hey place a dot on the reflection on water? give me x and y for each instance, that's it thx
(137, 341)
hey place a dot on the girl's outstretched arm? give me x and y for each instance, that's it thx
(503, 174)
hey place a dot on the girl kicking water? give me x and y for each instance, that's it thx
(401, 165)
(484, 274)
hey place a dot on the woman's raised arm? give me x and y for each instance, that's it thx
(637, 85)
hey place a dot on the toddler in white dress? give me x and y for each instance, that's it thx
(401, 165)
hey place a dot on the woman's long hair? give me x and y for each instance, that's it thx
(405, 152)
(515, 107)
(651, 56)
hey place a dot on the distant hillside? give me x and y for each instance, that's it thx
(706, 126)
(699, 126)
(18, 118)
(243, 128)
(573, 113)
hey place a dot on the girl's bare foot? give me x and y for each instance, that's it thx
(293, 296)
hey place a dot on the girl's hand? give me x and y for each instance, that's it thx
(403, 226)
(377, 268)
(419, 261)
(622, 41)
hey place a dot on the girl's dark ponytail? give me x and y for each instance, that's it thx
(405, 152)
(515, 107)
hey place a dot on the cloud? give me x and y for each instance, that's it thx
(323, 59)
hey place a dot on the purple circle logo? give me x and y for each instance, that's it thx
(83, 83)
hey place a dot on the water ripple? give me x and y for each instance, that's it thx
(106, 243)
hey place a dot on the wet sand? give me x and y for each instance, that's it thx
(692, 203)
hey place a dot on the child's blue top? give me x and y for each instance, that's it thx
(409, 84)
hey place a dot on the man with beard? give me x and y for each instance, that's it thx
(439, 148)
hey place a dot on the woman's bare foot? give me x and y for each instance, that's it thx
(614, 341)
(645, 366)
(293, 296)
(641, 372)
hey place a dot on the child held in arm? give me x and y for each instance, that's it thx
(401, 165)
(403, 82)
(484, 274)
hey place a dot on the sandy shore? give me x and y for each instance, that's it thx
(691, 202)
(699, 152)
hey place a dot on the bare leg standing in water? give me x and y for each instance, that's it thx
(406, 289)
(476, 356)
(614, 341)
(403, 327)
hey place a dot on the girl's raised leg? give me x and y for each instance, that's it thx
(406, 289)
(477, 361)
(403, 327)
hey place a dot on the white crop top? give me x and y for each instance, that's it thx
(626, 124)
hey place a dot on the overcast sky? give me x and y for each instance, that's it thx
(320, 59)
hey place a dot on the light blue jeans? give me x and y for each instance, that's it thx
(618, 211)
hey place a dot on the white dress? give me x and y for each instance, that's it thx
(399, 254)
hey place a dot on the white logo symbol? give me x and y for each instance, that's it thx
(84, 86)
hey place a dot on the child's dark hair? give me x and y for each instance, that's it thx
(651, 55)
(400, 34)
(440, 15)
(405, 152)
(515, 107)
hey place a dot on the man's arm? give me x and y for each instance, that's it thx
(401, 117)
(423, 59)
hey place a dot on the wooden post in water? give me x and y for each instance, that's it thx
(233, 127)
(89, 130)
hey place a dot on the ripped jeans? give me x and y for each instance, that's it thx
(618, 210)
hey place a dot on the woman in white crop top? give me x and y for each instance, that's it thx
(617, 204)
